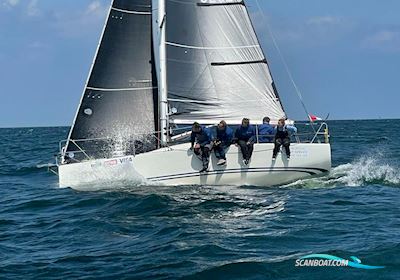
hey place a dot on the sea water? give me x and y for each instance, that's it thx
(202, 232)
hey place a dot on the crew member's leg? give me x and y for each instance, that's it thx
(244, 148)
(224, 149)
(205, 156)
(219, 153)
(197, 150)
(250, 148)
(278, 144)
(286, 144)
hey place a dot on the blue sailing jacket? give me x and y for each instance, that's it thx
(266, 133)
(225, 136)
(247, 134)
(203, 137)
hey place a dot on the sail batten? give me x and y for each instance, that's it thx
(120, 89)
(221, 3)
(130, 11)
(211, 48)
(227, 63)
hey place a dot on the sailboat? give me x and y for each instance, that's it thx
(160, 66)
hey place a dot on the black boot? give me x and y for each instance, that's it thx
(204, 170)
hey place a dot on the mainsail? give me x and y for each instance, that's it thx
(118, 107)
(216, 67)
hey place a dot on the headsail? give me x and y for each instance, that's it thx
(120, 99)
(216, 67)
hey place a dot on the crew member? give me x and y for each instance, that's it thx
(266, 131)
(282, 137)
(202, 137)
(245, 136)
(222, 137)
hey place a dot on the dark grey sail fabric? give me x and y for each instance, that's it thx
(117, 113)
(216, 67)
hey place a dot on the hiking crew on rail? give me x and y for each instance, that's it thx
(222, 138)
(204, 140)
(202, 137)
(282, 137)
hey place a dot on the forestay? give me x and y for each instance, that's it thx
(120, 98)
(216, 67)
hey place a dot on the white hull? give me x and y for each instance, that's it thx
(177, 166)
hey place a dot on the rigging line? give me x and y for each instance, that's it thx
(299, 94)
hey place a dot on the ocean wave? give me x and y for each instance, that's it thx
(368, 170)
(22, 169)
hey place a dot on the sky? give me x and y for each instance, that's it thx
(344, 56)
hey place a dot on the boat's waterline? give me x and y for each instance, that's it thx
(178, 166)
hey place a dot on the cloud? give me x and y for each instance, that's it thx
(29, 8)
(32, 9)
(38, 45)
(383, 40)
(81, 23)
(324, 20)
(307, 32)
(37, 50)
(96, 9)
(12, 2)
(9, 3)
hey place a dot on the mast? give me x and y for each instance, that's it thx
(163, 90)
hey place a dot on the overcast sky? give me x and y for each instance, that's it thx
(343, 54)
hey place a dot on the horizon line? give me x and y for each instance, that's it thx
(55, 126)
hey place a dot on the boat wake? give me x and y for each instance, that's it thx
(367, 170)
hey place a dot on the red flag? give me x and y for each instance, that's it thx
(314, 118)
